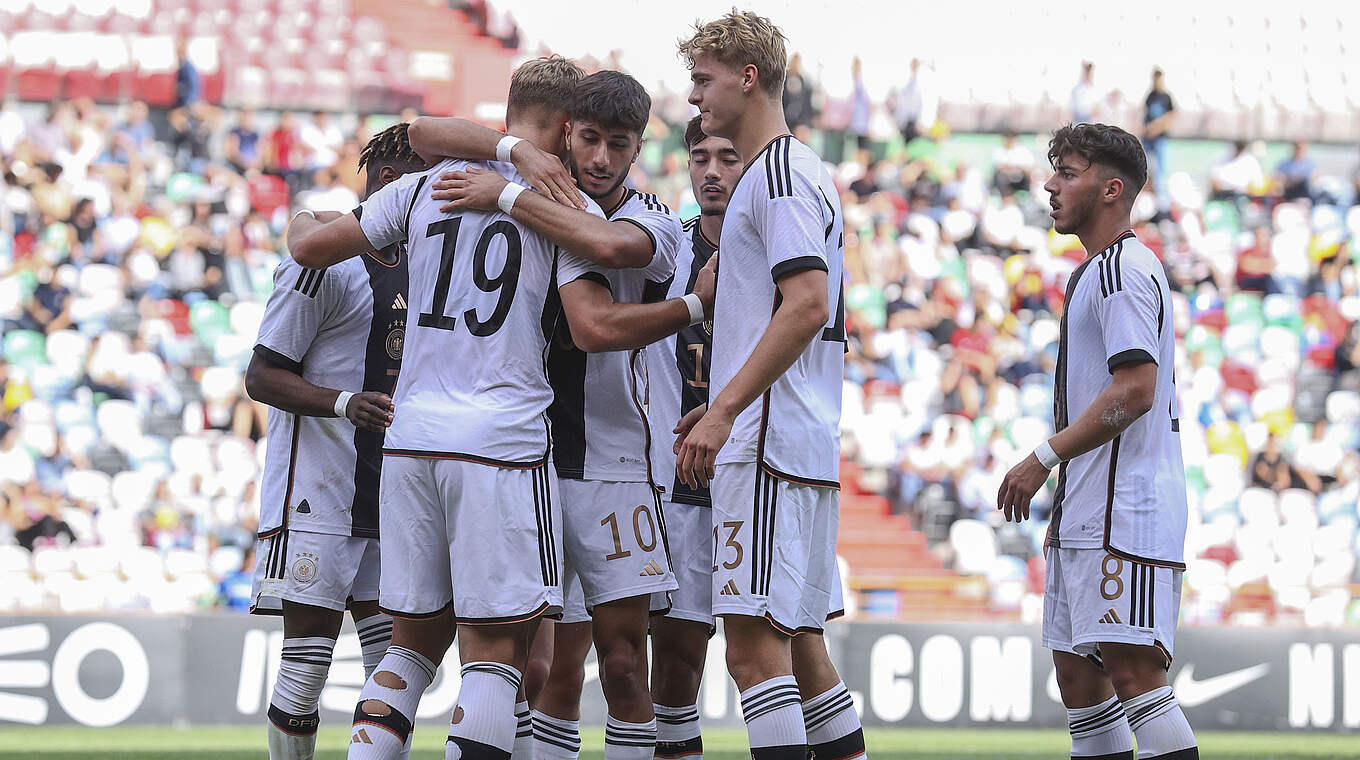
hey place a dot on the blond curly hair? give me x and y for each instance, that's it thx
(739, 39)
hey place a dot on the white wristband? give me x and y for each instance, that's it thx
(1046, 455)
(696, 308)
(342, 403)
(306, 211)
(507, 200)
(504, 147)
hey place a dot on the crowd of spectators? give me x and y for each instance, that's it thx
(136, 253)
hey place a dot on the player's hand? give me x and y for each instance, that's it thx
(706, 285)
(687, 424)
(1019, 487)
(370, 411)
(545, 173)
(698, 453)
(471, 189)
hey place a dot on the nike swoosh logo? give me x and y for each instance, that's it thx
(1192, 693)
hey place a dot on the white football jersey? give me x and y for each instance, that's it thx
(474, 385)
(1128, 496)
(678, 371)
(599, 422)
(784, 217)
(321, 473)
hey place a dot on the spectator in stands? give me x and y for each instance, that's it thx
(190, 133)
(134, 137)
(243, 143)
(321, 138)
(188, 83)
(861, 108)
(283, 155)
(799, 108)
(1256, 265)
(909, 103)
(1238, 176)
(1270, 469)
(44, 526)
(1158, 113)
(1294, 175)
(49, 309)
(235, 589)
(1085, 99)
(1011, 164)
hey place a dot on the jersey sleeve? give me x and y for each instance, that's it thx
(1131, 313)
(384, 216)
(792, 218)
(663, 229)
(294, 314)
(571, 267)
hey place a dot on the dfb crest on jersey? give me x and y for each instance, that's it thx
(396, 339)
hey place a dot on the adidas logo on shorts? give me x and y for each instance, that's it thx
(651, 568)
(1111, 617)
(730, 589)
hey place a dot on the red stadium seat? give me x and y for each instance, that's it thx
(213, 86)
(1238, 376)
(81, 83)
(156, 88)
(1214, 319)
(41, 84)
(114, 86)
(267, 193)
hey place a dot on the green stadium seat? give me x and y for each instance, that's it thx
(209, 320)
(25, 348)
(1221, 216)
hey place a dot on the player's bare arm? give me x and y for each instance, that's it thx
(617, 245)
(435, 138)
(598, 323)
(802, 314)
(1129, 396)
(320, 240)
(284, 389)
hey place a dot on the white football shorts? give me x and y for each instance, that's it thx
(1092, 596)
(480, 536)
(320, 569)
(775, 549)
(615, 543)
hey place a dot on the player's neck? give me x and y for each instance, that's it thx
(610, 203)
(1102, 233)
(710, 226)
(545, 138)
(762, 123)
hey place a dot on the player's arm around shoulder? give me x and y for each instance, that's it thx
(599, 323)
(318, 240)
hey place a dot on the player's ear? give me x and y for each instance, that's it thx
(1114, 189)
(387, 174)
(750, 77)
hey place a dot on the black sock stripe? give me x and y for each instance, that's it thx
(568, 746)
(1189, 753)
(475, 750)
(629, 733)
(841, 702)
(495, 669)
(543, 729)
(776, 690)
(750, 715)
(1114, 709)
(677, 721)
(850, 745)
(411, 657)
(759, 700)
(1100, 727)
(393, 721)
(1151, 711)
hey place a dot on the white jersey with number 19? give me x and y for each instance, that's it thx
(784, 217)
(473, 384)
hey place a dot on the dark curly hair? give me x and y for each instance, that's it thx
(1106, 145)
(612, 99)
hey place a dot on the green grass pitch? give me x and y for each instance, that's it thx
(240, 743)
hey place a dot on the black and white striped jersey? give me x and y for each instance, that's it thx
(1127, 496)
(784, 217)
(342, 327)
(678, 370)
(598, 419)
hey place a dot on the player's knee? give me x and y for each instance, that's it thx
(1131, 678)
(621, 664)
(675, 678)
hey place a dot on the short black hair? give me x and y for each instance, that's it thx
(390, 147)
(1106, 145)
(694, 134)
(612, 99)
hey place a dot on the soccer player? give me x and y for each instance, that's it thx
(615, 530)
(1116, 538)
(318, 542)
(678, 369)
(471, 510)
(769, 442)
